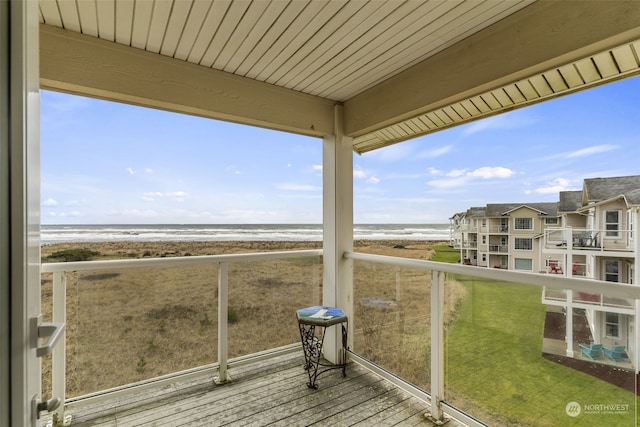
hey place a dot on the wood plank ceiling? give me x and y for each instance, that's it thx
(333, 49)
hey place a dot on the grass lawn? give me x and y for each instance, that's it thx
(495, 367)
(445, 253)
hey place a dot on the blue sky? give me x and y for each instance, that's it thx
(108, 163)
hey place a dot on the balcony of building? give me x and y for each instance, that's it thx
(470, 244)
(577, 268)
(498, 228)
(588, 240)
(499, 248)
(213, 340)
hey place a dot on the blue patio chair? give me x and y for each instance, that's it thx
(593, 352)
(617, 353)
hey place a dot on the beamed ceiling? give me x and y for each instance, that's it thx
(400, 69)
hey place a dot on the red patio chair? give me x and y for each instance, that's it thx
(555, 268)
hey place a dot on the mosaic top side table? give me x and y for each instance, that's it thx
(323, 317)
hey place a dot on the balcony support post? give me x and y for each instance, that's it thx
(223, 304)
(337, 212)
(436, 415)
(569, 324)
(58, 362)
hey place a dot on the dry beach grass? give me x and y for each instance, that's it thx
(128, 325)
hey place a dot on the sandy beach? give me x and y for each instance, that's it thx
(127, 250)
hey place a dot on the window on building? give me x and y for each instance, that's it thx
(484, 257)
(524, 244)
(630, 224)
(630, 273)
(611, 271)
(523, 264)
(523, 223)
(612, 325)
(612, 223)
(484, 239)
(551, 221)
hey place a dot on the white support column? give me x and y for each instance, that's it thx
(223, 313)
(58, 358)
(569, 324)
(437, 346)
(337, 172)
(636, 281)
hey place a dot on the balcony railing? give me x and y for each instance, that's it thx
(134, 323)
(588, 239)
(502, 228)
(499, 248)
(405, 313)
(471, 244)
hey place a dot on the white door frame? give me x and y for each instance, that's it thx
(20, 212)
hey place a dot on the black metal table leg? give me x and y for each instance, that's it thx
(308, 319)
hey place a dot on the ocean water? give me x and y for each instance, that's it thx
(233, 232)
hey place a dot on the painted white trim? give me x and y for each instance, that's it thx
(5, 220)
(337, 212)
(24, 204)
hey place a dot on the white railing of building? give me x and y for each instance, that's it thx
(60, 270)
(437, 269)
(591, 239)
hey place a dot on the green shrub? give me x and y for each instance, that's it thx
(69, 255)
(232, 315)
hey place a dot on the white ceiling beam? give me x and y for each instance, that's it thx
(83, 65)
(536, 39)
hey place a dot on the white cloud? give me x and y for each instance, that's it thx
(391, 153)
(456, 173)
(460, 177)
(437, 152)
(449, 183)
(513, 120)
(135, 213)
(555, 186)
(71, 214)
(434, 171)
(297, 187)
(592, 150)
(492, 172)
(178, 196)
(50, 202)
(317, 168)
(233, 169)
(359, 174)
(131, 171)
(148, 170)
(373, 180)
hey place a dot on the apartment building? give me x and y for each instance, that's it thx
(507, 235)
(588, 233)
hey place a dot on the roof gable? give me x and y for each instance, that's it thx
(597, 190)
(545, 208)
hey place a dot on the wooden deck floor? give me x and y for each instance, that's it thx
(267, 393)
